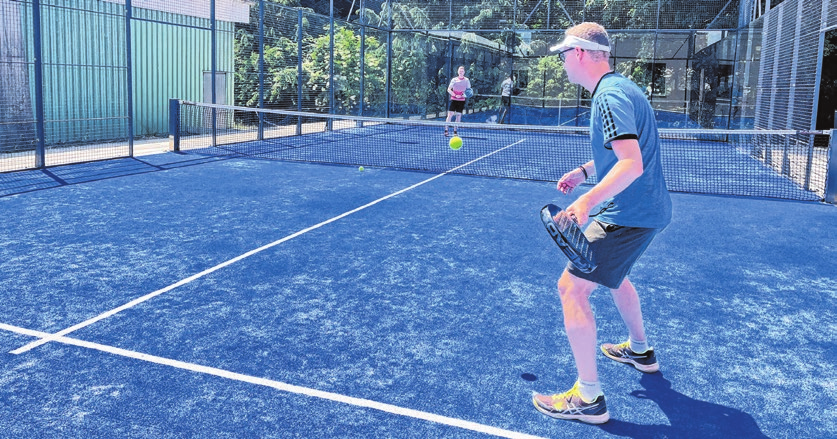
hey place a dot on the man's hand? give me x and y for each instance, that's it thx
(580, 210)
(570, 180)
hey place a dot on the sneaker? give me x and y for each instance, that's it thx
(644, 362)
(569, 405)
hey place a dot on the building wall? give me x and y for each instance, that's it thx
(85, 67)
(169, 62)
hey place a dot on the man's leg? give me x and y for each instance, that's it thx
(636, 350)
(627, 302)
(585, 401)
(579, 323)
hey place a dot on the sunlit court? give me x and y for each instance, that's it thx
(236, 219)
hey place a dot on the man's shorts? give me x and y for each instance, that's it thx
(615, 249)
(506, 100)
(457, 106)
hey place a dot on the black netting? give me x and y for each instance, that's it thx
(778, 164)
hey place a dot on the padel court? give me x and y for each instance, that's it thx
(243, 219)
(193, 295)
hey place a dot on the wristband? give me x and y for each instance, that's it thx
(584, 171)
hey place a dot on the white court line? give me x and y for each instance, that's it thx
(357, 402)
(137, 301)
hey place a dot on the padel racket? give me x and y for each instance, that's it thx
(469, 93)
(569, 237)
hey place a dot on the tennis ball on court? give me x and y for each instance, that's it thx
(455, 142)
(360, 169)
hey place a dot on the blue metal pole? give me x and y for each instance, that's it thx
(831, 176)
(40, 131)
(129, 77)
(388, 96)
(330, 63)
(362, 56)
(299, 71)
(261, 68)
(214, 66)
(511, 57)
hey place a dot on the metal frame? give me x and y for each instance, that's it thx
(38, 60)
(831, 175)
(40, 129)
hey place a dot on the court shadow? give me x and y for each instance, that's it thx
(20, 182)
(688, 417)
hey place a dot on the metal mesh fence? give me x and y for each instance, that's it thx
(85, 88)
(789, 69)
(82, 80)
(17, 118)
(63, 87)
(375, 44)
(831, 11)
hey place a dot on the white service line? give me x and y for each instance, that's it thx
(52, 337)
(336, 397)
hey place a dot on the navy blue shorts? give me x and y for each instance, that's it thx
(615, 249)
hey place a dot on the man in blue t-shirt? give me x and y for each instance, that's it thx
(634, 207)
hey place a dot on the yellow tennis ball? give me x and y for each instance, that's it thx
(455, 142)
(360, 169)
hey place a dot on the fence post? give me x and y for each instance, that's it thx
(331, 89)
(129, 78)
(299, 42)
(831, 173)
(214, 63)
(261, 69)
(40, 129)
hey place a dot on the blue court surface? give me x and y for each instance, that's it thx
(186, 296)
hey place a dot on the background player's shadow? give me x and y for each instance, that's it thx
(688, 418)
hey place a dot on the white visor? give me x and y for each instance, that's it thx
(572, 41)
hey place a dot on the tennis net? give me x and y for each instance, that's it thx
(775, 164)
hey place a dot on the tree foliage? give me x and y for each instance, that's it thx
(347, 71)
(423, 62)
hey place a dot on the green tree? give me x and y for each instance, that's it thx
(412, 84)
(547, 77)
(280, 58)
(347, 71)
(280, 72)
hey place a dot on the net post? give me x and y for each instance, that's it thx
(831, 175)
(174, 123)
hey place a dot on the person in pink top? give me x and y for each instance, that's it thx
(456, 90)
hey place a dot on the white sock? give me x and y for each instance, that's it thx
(589, 390)
(640, 347)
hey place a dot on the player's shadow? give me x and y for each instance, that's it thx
(688, 417)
